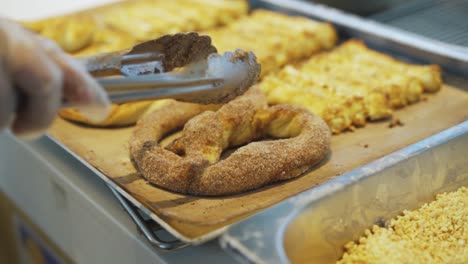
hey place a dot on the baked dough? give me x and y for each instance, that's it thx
(351, 84)
(120, 115)
(194, 164)
(275, 38)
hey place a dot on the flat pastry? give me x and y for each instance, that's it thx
(120, 115)
(120, 25)
(351, 84)
(276, 39)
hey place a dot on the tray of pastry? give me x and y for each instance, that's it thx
(374, 93)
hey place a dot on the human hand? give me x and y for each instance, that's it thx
(35, 76)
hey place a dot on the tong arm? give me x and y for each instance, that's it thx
(157, 86)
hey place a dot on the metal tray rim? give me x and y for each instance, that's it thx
(124, 193)
(354, 176)
(371, 27)
(297, 203)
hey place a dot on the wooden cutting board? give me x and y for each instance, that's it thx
(193, 217)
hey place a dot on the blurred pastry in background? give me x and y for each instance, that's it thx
(351, 84)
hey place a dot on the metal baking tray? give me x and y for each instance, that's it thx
(408, 46)
(437, 19)
(314, 226)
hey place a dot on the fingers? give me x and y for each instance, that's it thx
(79, 87)
(82, 90)
(35, 75)
(31, 81)
(39, 82)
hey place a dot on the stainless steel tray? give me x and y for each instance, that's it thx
(320, 221)
(379, 36)
(437, 19)
(340, 210)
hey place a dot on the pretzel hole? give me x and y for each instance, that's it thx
(279, 124)
(269, 125)
(266, 125)
(171, 137)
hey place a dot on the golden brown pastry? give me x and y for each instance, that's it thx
(120, 25)
(192, 164)
(120, 115)
(276, 39)
(351, 84)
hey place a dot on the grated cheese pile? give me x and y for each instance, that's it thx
(435, 233)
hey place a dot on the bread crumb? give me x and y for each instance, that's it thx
(435, 233)
(395, 122)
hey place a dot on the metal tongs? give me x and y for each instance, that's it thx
(183, 66)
